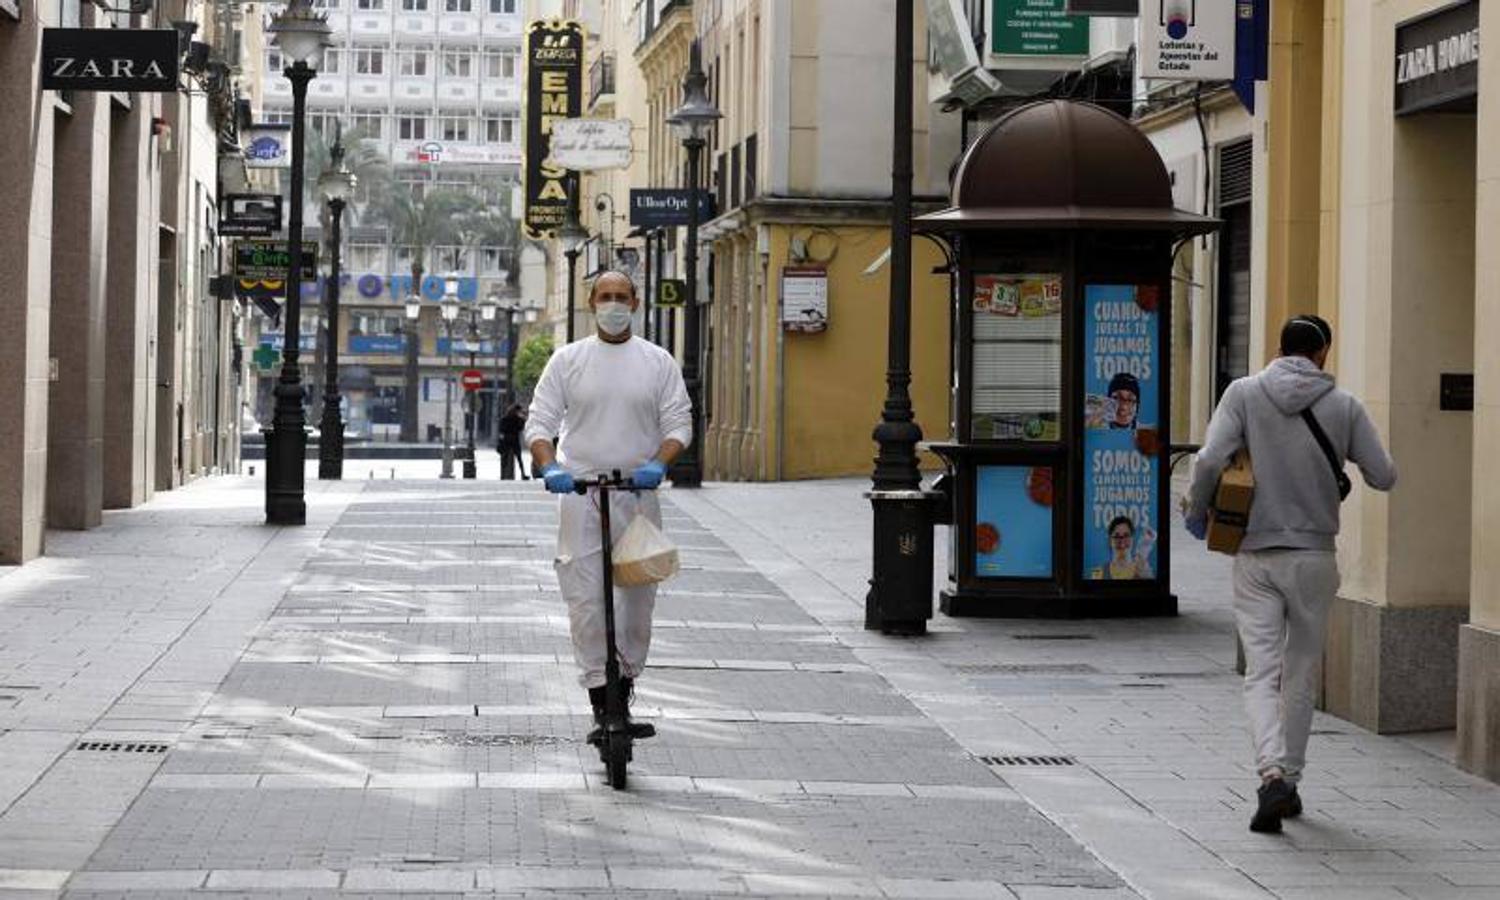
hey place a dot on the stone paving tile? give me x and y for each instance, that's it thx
(172, 829)
(882, 804)
(1151, 710)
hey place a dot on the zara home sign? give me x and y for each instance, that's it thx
(1437, 60)
(109, 59)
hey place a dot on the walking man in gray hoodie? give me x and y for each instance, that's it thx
(1285, 574)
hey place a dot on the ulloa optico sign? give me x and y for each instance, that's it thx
(109, 59)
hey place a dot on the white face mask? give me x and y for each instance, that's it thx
(613, 318)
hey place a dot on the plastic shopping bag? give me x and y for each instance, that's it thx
(643, 555)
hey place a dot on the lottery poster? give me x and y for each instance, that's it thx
(1013, 530)
(1122, 438)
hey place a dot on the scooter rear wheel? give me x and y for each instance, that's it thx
(617, 754)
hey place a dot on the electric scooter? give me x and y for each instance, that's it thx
(616, 739)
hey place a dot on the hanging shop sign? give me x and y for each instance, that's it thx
(554, 91)
(1025, 33)
(109, 59)
(260, 267)
(804, 298)
(667, 207)
(1122, 439)
(268, 147)
(250, 215)
(1437, 61)
(670, 293)
(589, 145)
(1191, 40)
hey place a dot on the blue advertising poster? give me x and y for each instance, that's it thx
(1122, 440)
(1013, 527)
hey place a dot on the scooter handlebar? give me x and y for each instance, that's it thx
(614, 481)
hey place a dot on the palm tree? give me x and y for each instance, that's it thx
(420, 221)
(373, 176)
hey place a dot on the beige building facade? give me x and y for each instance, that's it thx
(1376, 171)
(801, 183)
(116, 368)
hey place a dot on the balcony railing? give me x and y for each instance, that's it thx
(652, 14)
(601, 77)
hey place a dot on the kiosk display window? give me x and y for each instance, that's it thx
(1122, 440)
(1013, 530)
(1016, 384)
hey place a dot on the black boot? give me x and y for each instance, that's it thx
(596, 700)
(1275, 803)
(638, 730)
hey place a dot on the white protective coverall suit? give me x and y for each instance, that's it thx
(612, 406)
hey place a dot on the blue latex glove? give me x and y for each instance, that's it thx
(1197, 526)
(649, 476)
(557, 479)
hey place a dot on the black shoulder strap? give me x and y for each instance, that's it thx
(1345, 486)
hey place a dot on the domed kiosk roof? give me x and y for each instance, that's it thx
(1067, 165)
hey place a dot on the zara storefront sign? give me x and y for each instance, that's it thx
(1437, 60)
(109, 59)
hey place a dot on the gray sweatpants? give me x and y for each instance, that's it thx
(1281, 601)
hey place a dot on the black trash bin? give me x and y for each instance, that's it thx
(900, 598)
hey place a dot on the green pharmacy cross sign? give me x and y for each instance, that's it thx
(266, 356)
(1037, 28)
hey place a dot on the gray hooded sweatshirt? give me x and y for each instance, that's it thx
(1296, 497)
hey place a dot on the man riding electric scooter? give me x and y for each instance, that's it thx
(618, 404)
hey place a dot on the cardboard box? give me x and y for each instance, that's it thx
(1229, 513)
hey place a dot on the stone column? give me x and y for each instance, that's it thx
(1479, 641)
(25, 271)
(1295, 136)
(1406, 265)
(128, 436)
(169, 335)
(80, 210)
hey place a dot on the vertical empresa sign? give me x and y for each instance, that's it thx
(554, 90)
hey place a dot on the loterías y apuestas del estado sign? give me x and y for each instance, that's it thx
(109, 59)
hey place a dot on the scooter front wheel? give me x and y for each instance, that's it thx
(617, 755)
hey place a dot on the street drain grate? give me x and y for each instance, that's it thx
(123, 746)
(1028, 761)
(1027, 669)
(1053, 637)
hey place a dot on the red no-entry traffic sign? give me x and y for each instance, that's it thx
(472, 379)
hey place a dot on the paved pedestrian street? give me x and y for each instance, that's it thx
(384, 702)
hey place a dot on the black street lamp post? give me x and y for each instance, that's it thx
(900, 597)
(449, 308)
(572, 237)
(302, 35)
(471, 398)
(693, 120)
(412, 374)
(337, 185)
(490, 311)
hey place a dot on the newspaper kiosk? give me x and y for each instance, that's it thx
(1062, 230)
